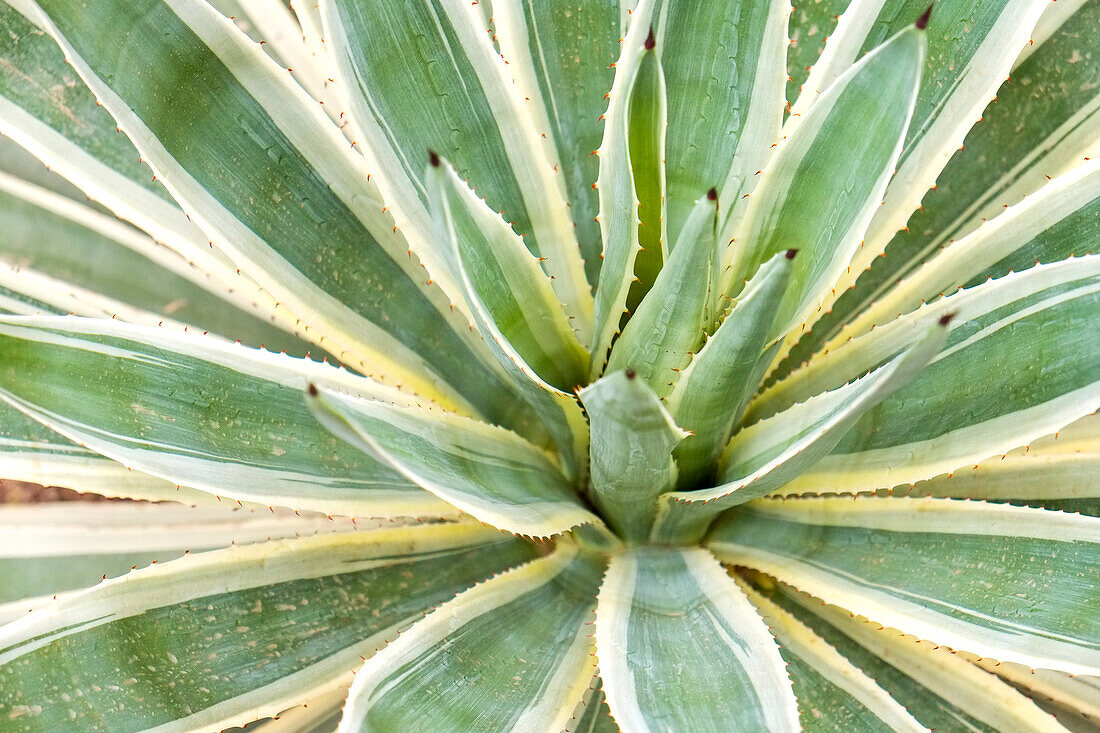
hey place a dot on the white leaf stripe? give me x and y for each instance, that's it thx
(796, 639)
(383, 686)
(961, 260)
(936, 605)
(225, 577)
(634, 604)
(481, 469)
(930, 147)
(323, 318)
(942, 671)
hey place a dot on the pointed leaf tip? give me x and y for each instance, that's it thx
(433, 158)
(712, 194)
(629, 373)
(791, 253)
(946, 319)
(922, 21)
(312, 389)
(651, 39)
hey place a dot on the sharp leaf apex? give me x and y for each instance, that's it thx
(712, 194)
(630, 373)
(791, 253)
(433, 158)
(922, 21)
(651, 39)
(312, 389)
(946, 319)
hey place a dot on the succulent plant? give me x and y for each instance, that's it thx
(575, 365)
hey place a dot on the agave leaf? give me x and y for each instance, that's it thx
(316, 715)
(768, 455)
(668, 326)
(972, 45)
(632, 438)
(1060, 220)
(832, 693)
(501, 276)
(484, 470)
(33, 453)
(321, 243)
(646, 120)
(710, 394)
(1041, 124)
(457, 669)
(593, 715)
(1062, 466)
(859, 553)
(495, 310)
(561, 56)
(918, 674)
(78, 139)
(681, 647)
(424, 76)
(852, 137)
(62, 546)
(937, 676)
(142, 281)
(958, 411)
(619, 218)
(1064, 695)
(809, 28)
(724, 63)
(314, 607)
(200, 412)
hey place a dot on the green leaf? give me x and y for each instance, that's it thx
(971, 48)
(593, 715)
(619, 220)
(1040, 325)
(501, 276)
(1007, 582)
(514, 653)
(200, 412)
(768, 455)
(1040, 125)
(1058, 221)
(940, 687)
(711, 393)
(724, 64)
(852, 138)
(681, 647)
(33, 453)
(646, 120)
(558, 411)
(321, 243)
(222, 638)
(62, 546)
(1058, 467)
(484, 470)
(668, 326)
(832, 693)
(107, 268)
(632, 438)
(424, 76)
(562, 56)
(810, 26)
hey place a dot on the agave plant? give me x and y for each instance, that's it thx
(640, 398)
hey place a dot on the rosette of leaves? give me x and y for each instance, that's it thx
(550, 366)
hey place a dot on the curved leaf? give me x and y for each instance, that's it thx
(199, 412)
(681, 647)
(513, 653)
(1012, 583)
(223, 638)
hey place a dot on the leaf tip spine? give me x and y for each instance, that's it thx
(312, 389)
(922, 21)
(712, 194)
(791, 253)
(651, 40)
(433, 158)
(629, 373)
(946, 319)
